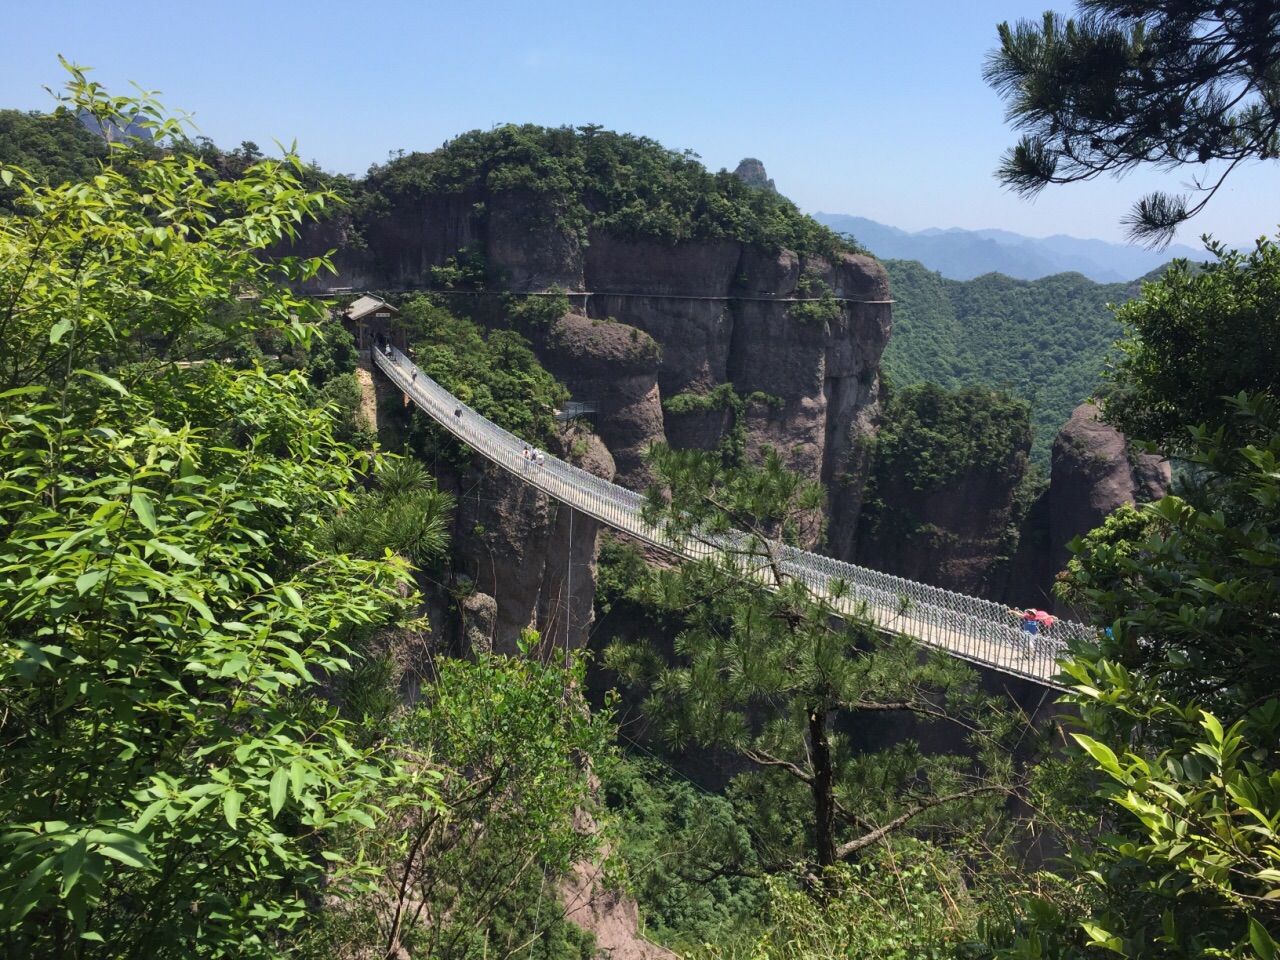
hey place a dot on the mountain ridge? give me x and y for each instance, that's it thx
(960, 254)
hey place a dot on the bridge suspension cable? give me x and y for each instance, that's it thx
(973, 629)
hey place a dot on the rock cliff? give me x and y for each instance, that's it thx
(951, 537)
(1094, 473)
(751, 172)
(521, 560)
(534, 556)
(653, 320)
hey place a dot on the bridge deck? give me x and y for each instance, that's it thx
(973, 629)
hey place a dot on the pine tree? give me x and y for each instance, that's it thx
(765, 667)
(1130, 82)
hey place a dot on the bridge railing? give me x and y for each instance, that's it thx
(974, 629)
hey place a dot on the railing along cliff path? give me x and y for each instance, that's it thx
(973, 629)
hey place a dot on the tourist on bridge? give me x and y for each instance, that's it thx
(1030, 622)
(528, 456)
(1033, 619)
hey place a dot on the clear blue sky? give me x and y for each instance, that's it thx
(866, 107)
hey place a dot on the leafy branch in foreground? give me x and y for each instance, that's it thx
(174, 781)
(1179, 717)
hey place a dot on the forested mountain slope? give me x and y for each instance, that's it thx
(1044, 340)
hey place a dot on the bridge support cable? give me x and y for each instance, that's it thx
(970, 628)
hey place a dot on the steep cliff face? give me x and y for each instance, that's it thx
(653, 320)
(521, 560)
(949, 467)
(758, 299)
(533, 555)
(951, 537)
(616, 366)
(1093, 475)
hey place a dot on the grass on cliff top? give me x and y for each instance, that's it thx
(586, 177)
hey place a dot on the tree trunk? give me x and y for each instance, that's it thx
(824, 804)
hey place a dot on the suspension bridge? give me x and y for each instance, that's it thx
(973, 629)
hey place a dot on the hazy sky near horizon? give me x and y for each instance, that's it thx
(870, 108)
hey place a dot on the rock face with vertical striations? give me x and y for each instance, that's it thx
(535, 557)
(751, 172)
(797, 338)
(1094, 473)
(653, 320)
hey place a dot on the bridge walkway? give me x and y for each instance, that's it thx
(973, 629)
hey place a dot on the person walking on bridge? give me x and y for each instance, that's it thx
(1030, 622)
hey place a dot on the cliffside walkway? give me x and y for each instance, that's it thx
(973, 629)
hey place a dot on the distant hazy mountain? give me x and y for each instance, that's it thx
(964, 254)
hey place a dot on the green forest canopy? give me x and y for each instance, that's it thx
(52, 148)
(1043, 340)
(589, 177)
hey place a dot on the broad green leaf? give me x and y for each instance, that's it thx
(21, 391)
(143, 510)
(111, 382)
(59, 330)
(126, 851)
(176, 552)
(85, 582)
(72, 861)
(231, 807)
(279, 790)
(1105, 757)
(1261, 941)
(1101, 937)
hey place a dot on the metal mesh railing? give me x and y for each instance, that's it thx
(974, 629)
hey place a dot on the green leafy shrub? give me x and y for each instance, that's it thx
(687, 859)
(466, 270)
(825, 309)
(533, 312)
(53, 148)
(518, 748)
(331, 353)
(496, 373)
(173, 781)
(732, 448)
(931, 436)
(899, 904)
(1196, 339)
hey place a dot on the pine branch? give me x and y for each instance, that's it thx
(878, 834)
(765, 760)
